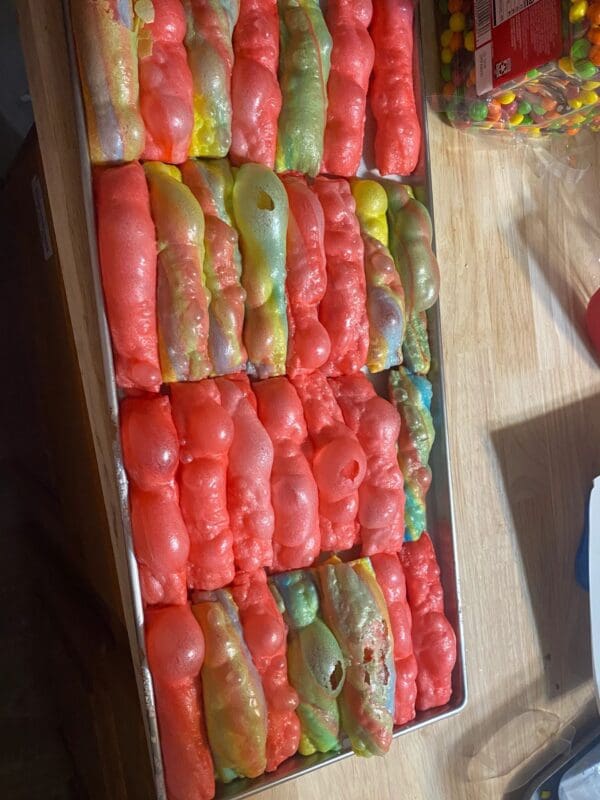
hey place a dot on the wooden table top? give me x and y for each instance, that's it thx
(518, 240)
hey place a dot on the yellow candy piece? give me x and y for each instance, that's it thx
(516, 119)
(371, 207)
(445, 38)
(577, 119)
(535, 132)
(457, 21)
(575, 103)
(578, 11)
(470, 41)
(566, 65)
(506, 98)
(588, 98)
(446, 55)
(590, 85)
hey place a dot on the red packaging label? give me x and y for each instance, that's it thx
(512, 37)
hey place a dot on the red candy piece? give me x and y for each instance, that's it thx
(338, 462)
(265, 633)
(175, 646)
(308, 341)
(165, 84)
(127, 250)
(294, 495)
(160, 538)
(248, 477)
(255, 92)
(351, 64)
(205, 434)
(392, 95)
(433, 639)
(376, 424)
(592, 320)
(390, 578)
(343, 310)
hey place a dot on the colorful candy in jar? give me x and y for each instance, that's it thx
(338, 462)
(234, 702)
(265, 633)
(165, 84)
(316, 667)
(210, 25)
(343, 310)
(354, 609)
(127, 252)
(175, 647)
(392, 96)
(160, 538)
(411, 395)
(205, 431)
(296, 537)
(255, 92)
(304, 64)
(376, 424)
(385, 295)
(306, 279)
(352, 58)
(106, 43)
(261, 215)
(211, 182)
(249, 466)
(182, 297)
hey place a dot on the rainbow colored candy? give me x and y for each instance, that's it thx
(411, 394)
(106, 37)
(415, 347)
(355, 610)
(210, 25)
(304, 64)
(260, 207)
(212, 185)
(234, 701)
(385, 295)
(182, 297)
(315, 662)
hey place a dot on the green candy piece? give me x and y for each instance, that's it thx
(527, 120)
(478, 111)
(533, 73)
(580, 49)
(539, 110)
(585, 69)
(446, 72)
(524, 107)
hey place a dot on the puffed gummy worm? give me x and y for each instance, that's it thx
(338, 462)
(165, 84)
(175, 647)
(411, 394)
(296, 538)
(106, 44)
(261, 215)
(304, 64)
(410, 244)
(316, 667)
(306, 280)
(390, 577)
(234, 701)
(354, 609)
(205, 432)
(376, 424)
(255, 92)
(433, 639)
(182, 296)
(415, 347)
(160, 537)
(351, 64)
(249, 468)
(127, 252)
(392, 96)
(385, 294)
(211, 182)
(343, 310)
(210, 25)
(265, 633)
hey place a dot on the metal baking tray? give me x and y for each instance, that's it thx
(439, 504)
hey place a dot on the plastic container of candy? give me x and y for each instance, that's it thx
(526, 70)
(439, 508)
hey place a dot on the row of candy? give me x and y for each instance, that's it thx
(267, 81)
(206, 273)
(249, 675)
(561, 96)
(228, 477)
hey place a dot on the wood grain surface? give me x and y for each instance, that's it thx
(518, 239)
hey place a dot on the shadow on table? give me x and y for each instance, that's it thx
(548, 464)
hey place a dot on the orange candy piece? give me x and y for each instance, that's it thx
(594, 55)
(593, 13)
(594, 35)
(456, 42)
(454, 6)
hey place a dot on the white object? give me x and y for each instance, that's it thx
(582, 781)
